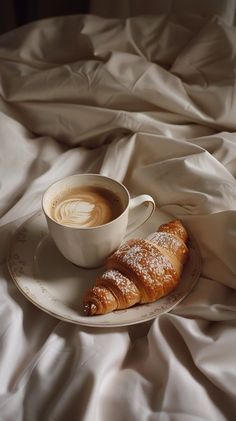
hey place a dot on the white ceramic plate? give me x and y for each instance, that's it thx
(56, 286)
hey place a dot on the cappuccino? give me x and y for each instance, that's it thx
(86, 207)
(88, 216)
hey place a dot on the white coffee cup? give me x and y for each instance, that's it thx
(89, 246)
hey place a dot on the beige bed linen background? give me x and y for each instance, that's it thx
(150, 101)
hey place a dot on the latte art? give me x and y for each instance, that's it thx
(86, 207)
(83, 212)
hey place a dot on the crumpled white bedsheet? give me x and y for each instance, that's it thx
(151, 102)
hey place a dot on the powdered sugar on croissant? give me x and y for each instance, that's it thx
(140, 271)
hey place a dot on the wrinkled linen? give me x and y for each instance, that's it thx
(151, 102)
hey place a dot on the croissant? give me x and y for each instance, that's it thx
(140, 271)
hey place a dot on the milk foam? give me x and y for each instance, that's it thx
(87, 209)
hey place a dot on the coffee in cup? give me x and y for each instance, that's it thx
(88, 216)
(86, 206)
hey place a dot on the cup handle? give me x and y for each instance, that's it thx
(141, 209)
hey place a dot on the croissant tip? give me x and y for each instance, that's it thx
(90, 309)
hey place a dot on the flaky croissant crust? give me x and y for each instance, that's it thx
(140, 271)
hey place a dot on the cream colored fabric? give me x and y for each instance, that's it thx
(151, 102)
